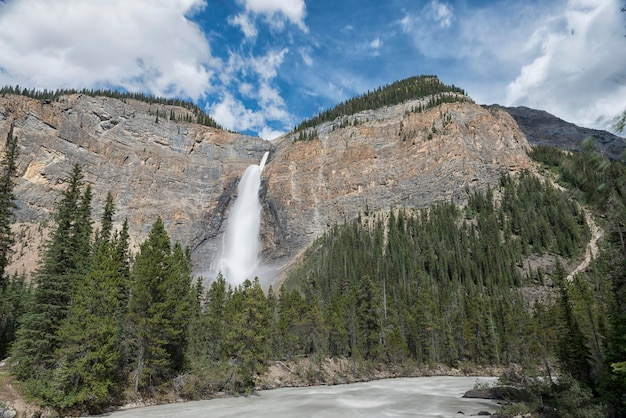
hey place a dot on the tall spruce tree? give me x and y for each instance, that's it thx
(7, 204)
(9, 311)
(89, 353)
(574, 354)
(91, 348)
(62, 263)
(160, 300)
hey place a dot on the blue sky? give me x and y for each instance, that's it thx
(262, 66)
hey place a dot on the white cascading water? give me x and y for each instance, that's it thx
(240, 258)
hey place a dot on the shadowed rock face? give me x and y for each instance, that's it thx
(187, 173)
(542, 128)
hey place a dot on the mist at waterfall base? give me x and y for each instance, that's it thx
(240, 258)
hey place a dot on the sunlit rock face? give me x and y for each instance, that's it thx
(188, 174)
(177, 170)
(382, 160)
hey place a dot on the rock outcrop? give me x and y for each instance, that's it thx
(179, 171)
(382, 160)
(542, 128)
(187, 173)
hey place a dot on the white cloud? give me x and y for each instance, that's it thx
(292, 10)
(579, 70)
(260, 102)
(266, 66)
(269, 133)
(305, 53)
(566, 57)
(376, 43)
(233, 114)
(440, 12)
(246, 89)
(140, 45)
(245, 24)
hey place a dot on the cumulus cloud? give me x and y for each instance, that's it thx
(139, 45)
(568, 57)
(232, 114)
(270, 133)
(260, 104)
(579, 69)
(275, 13)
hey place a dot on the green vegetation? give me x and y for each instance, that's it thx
(398, 92)
(201, 117)
(14, 292)
(93, 322)
(480, 284)
(444, 284)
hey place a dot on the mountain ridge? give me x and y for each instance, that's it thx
(543, 128)
(188, 173)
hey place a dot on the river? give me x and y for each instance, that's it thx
(439, 396)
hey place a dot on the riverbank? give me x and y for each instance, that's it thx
(435, 396)
(309, 371)
(299, 372)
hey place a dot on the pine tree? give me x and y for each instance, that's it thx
(574, 354)
(90, 354)
(56, 280)
(106, 223)
(7, 205)
(8, 317)
(369, 320)
(216, 299)
(247, 336)
(15, 299)
(160, 302)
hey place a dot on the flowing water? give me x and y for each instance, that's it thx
(240, 258)
(439, 396)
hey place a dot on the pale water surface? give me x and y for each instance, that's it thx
(403, 397)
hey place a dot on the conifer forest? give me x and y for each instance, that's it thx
(482, 283)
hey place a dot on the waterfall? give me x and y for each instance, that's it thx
(240, 258)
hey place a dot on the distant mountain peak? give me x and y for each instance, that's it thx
(543, 128)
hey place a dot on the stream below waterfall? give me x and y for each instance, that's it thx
(438, 396)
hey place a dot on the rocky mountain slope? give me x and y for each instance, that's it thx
(172, 169)
(542, 128)
(187, 173)
(381, 160)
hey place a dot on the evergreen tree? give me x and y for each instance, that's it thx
(15, 298)
(90, 366)
(247, 335)
(89, 355)
(106, 223)
(160, 297)
(56, 280)
(369, 320)
(574, 353)
(9, 312)
(7, 205)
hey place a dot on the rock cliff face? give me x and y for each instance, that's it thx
(384, 159)
(174, 170)
(542, 128)
(188, 173)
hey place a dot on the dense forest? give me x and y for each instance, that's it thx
(398, 92)
(483, 283)
(200, 116)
